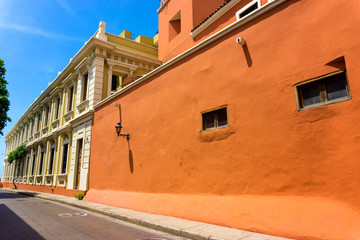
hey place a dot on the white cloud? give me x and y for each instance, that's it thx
(65, 6)
(36, 31)
(7, 22)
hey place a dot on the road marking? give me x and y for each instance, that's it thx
(72, 214)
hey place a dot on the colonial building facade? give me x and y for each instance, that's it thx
(56, 128)
(250, 121)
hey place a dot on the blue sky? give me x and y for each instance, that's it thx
(38, 38)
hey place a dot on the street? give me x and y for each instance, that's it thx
(23, 217)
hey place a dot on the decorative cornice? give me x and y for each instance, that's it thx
(56, 91)
(137, 56)
(78, 120)
(163, 5)
(115, 64)
(83, 64)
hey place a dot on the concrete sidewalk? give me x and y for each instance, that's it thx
(176, 226)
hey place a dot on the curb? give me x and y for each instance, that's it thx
(174, 231)
(179, 227)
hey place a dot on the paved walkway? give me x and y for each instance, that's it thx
(176, 226)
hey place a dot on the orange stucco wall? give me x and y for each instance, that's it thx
(274, 170)
(193, 12)
(201, 9)
(45, 189)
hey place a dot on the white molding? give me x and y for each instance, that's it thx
(69, 115)
(214, 17)
(83, 64)
(197, 47)
(114, 64)
(237, 14)
(89, 115)
(138, 56)
(83, 105)
(62, 177)
(163, 5)
(92, 42)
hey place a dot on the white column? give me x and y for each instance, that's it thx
(109, 75)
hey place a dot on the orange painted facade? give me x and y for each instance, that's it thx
(273, 169)
(193, 12)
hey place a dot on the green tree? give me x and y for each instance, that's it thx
(4, 98)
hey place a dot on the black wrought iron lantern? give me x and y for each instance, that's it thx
(118, 126)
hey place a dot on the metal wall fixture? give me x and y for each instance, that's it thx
(241, 41)
(118, 130)
(118, 126)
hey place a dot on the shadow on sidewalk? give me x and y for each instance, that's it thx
(5, 194)
(13, 227)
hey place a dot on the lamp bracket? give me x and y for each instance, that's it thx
(125, 135)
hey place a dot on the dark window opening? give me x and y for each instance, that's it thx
(84, 85)
(71, 96)
(326, 89)
(214, 119)
(47, 114)
(114, 83)
(249, 10)
(57, 110)
(52, 154)
(33, 165)
(38, 122)
(32, 127)
(65, 157)
(41, 162)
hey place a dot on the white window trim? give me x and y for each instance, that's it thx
(85, 94)
(70, 96)
(329, 102)
(246, 7)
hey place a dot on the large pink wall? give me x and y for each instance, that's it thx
(274, 169)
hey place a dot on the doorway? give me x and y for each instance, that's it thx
(79, 156)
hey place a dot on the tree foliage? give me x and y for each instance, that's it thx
(17, 154)
(4, 99)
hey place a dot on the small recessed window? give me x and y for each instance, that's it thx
(70, 97)
(324, 90)
(249, 8)
(175, 25)
(57, 109)
(114, 83)
(214, 119)
(84, 87)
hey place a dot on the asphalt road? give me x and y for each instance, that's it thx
(23, 217)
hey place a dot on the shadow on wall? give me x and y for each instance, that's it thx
(131, 159)
(247, 55)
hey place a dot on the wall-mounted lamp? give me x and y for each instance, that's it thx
(240, 41)
(118, 126)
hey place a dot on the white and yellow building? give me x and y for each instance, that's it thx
(56, 128)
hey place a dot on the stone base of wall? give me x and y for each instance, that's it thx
(45, 189)
(298, 217)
